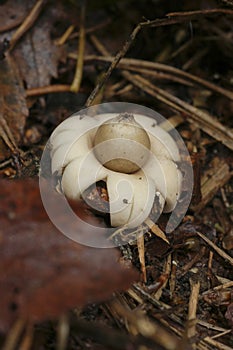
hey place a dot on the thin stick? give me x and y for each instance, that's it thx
(141, 254)
(221, 286)
(27, 23)
(26, 343)
(227, 331)
(156, 230)
(212, 327)
(81, 48)
(217, 344)
(208, 123)
(63, 330)
(14, 335)
(145, 327)
(61, 41)
(112, 66)
(131, 63)
(192, 311)
(47, 90)
(93, 29)
(217, 249)
(181, 17)
(199, 12)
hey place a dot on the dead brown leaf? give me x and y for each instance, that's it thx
(12, 14)
(43, 273)
(36, 54)
(13, 109)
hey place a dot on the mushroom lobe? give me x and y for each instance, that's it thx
(121, 144)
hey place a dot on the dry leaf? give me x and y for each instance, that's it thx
(36, 54)
(43, 273)
(13, 109)
(12, 14)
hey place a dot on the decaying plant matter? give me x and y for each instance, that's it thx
(177, 60)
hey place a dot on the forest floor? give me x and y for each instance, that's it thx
(170, 292)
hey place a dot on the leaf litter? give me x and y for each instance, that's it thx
(185, 293)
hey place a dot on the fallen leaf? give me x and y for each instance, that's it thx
(13, 109)
(36, 53)
(12, 14)
(43, 273)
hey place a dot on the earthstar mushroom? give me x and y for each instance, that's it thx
(134, 156)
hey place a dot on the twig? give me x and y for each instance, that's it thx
(221, 286)
(81, 47)
(27, 23)
(146, 328)
(212, 180)
(63, 332)
(26, 343)
(194, 59)
(14, 335)
(156, 230)
(131, 63)
(227, 331)
(193, 301)
(172, 280)
(218, 345)
(207, 123)
(99, 46)
(187, 267)
(61, 41)
(92, 29)
(160, 75)
(47, 90)
(173, 18)
(113, 65)
(6, 162)
(212, 326)
(216, 248)
(141, 254)
(192, 14)
(114, 339)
